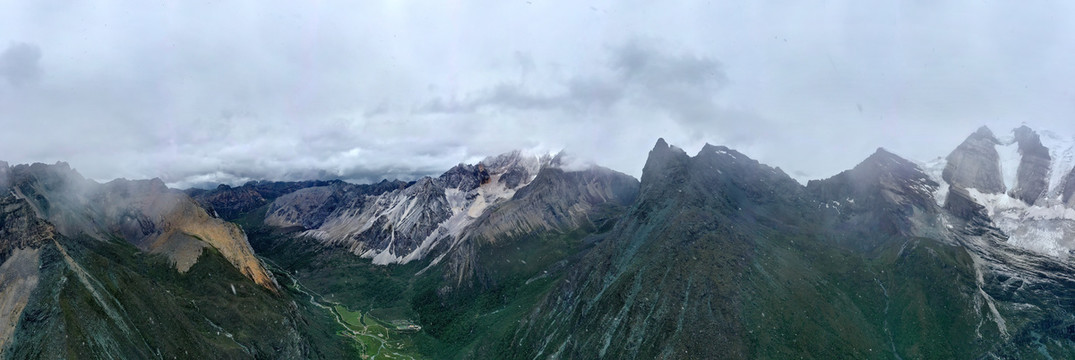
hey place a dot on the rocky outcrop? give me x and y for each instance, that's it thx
(555, 202)
(395, 222)
(884, 193)
(1033, 175)
(22, 234)
(160, 220)
(976, 164)
(19, 276)
(309, 208)
(20, 227)
(1068, 189)
(5, 176)
(230, 202)
(144, 212)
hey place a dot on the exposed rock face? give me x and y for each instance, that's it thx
(231, 202)
(1034, 213)
(20, 227)
(19, 275)
(310, 207)
(465, 177)
(22, 234)
(394, 222)
(145, 213)
(390, 226)
(976, 164)
(1068, 189)
(556, 201)
(976, 218)
(5, 176)
(882, 181)
(1033, 174)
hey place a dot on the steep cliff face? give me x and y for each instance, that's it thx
(231, 202)
(95, 293)
(145, 213)
(718, 252)
(395, 222)
(556, 200)
(882, 181)
(22, 234)
(976, 164)
(556, 203)
(1032, 177)
(309, 208)
(1068, 189)
(1034, 213)
(669, 279)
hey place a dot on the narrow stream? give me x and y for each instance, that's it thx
(352, 333)
(888, 332)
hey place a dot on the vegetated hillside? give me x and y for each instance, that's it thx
(106, 281)
(714, 256)
(710, 256)
(89, 298)
(722, 257)
(144, 213)
(513, 252)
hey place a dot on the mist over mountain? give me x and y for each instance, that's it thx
(714, 255)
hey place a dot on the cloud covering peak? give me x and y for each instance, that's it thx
(200, 93)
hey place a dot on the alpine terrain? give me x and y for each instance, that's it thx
(520, 256)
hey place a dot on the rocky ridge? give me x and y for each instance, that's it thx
(143, 212)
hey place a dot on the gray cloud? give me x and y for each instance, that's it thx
(635, 71)
(203, 92)
(19, 64)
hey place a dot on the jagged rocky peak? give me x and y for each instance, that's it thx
(1032, 175)
(724, 152)
(663, 163)
(405, 223)
(883, 171)
(465, 177)
(731, 163)
(515, 168)
(976, 164)
(511, 169)
(884, 193)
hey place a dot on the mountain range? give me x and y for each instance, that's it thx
(714, 255)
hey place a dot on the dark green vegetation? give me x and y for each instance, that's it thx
(110, 298)
(490, 280)
(719, 257)
(463, 324)
(711, 256)
(722, 257)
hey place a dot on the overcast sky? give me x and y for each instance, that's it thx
(213, 91)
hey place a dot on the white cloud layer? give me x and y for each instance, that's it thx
(205, 92)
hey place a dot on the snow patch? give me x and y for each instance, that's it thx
(386, 257)
(1062, 153)
(1047, 229)
(1009, 161)
(934, 169)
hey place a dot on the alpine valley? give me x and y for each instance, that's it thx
(520, 256)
